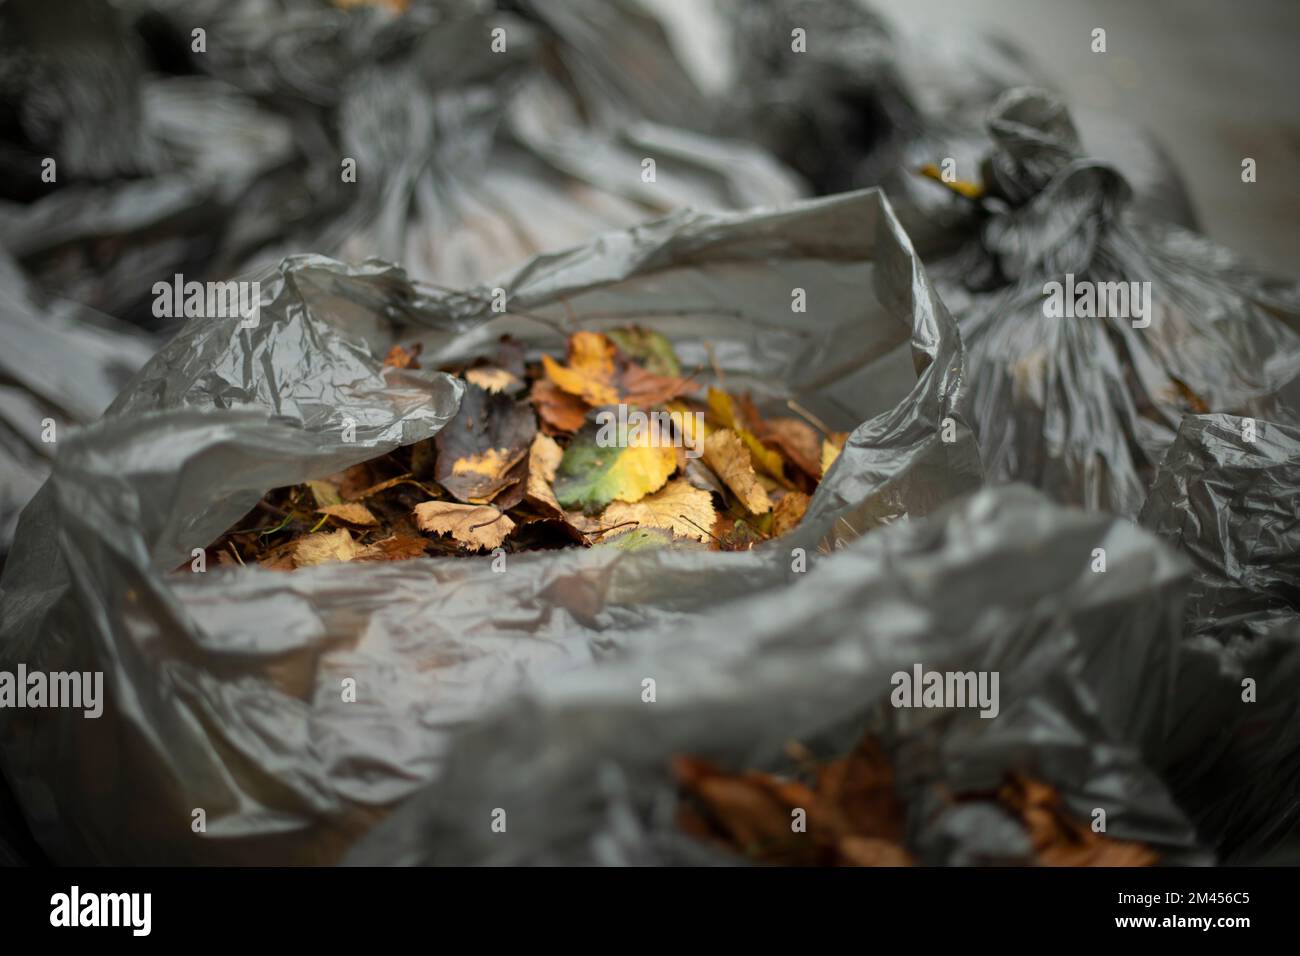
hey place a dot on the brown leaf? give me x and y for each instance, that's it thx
(678, 507)
(1058, 838)
(352, 513)
(543, 458)
(398, 547)
(477, 526)
(478, 448)
(727, 455)
(559, 411)
(399, 357)
(789, 511)
(326, 547)
(797, 441)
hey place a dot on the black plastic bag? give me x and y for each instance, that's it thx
(223, 688)
(1084, 407)
(1225, 495)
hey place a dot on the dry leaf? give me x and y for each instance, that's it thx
(559, 411)
(493, 379)
(326, 547)
(399, 357)
(600, 375)
(831, 446)
(727, 455)
(797, 441)
(543, 459)
(477, 449)
(352, 513)
(398, 547)
(679, 508)
(788, 512)
(479, 526)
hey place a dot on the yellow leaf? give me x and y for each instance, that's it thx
(354, 513)
(723, 410)
(478, 526)
(326, 547)
(726, 454)
(679, 508)
(590, 372)
(831, 447)
(592, 474)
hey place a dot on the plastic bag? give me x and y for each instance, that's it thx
(838, 94)
(1083, 407)
(580, 765)
(1225, 496)
(60, 367)
(223, 688)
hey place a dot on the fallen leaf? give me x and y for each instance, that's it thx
(477, 449)
(590, 371)
(326, 547)
(399, 357)
(727, 455)
(352, 513)
(599, 375)
(651, 349)
(1060, 839)
(853, 815)
(831, 447)
(398, 547)
(591, 476)
(724, 412)
(325, 493)
(543, 459)
(479, 526)
(678, 507)
(559, 411)
(797, 441)
(788, 512)
(495, 380)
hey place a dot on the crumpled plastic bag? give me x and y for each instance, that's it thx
(1225, 495)
(995, 582)
(223, 689)
(1085, 407)
(60, 367)
(866, 104)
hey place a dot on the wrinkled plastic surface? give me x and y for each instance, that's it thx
(1226, 496)
(223, 688)
(1085, 407)
(863, 104)
(580, 765)
(59, 367)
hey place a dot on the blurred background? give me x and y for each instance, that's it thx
(1215, 81)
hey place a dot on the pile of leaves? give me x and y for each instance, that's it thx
(527, 463)
(852, 814)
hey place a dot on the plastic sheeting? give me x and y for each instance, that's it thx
(580, 765)
(223, 688)
(1084, 407)
(1226, 495)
